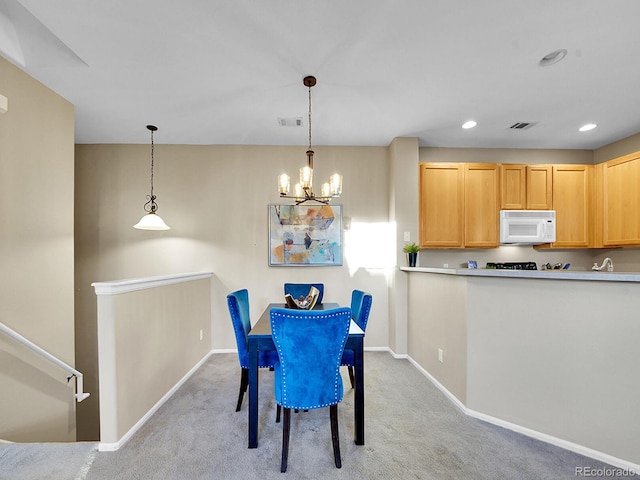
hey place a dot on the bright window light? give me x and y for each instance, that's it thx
(369, 246)
(469, 124)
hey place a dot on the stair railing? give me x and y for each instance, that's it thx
(80, 395)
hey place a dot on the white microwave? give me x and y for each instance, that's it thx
(527, 227)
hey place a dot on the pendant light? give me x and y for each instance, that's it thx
(303, 191)
(151, 221)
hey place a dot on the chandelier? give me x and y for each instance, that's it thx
(151, 221)
(303, 191)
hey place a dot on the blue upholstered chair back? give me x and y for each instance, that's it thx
(360, 307)
(310, 344)
(298, 290)
(238, 303)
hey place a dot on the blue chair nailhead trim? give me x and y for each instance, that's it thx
(336, 384)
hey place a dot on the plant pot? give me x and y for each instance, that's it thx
(412, 258)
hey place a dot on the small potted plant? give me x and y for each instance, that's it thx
(411, 249)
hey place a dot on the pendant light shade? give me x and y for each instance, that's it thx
(151, 221)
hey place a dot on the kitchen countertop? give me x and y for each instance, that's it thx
(541, 274)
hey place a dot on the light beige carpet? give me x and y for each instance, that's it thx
(412, 432)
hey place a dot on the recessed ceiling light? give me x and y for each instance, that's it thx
(587, 127)
(553, 57)
(469, 124)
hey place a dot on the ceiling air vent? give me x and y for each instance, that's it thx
(290, 122)
(522, 125)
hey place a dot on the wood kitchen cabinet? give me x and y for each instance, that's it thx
(527, 187)
(620, 202)
(513, 187)
(481, 205)
(539, 187)
(573, 193)
(459, 204)
(441, 208)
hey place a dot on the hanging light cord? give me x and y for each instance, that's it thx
(309, 117)
(152, 145)
(151, 205)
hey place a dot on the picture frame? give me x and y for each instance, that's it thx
(305, 235)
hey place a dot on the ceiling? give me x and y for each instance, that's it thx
(224, 72)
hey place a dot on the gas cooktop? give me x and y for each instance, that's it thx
(512, 266)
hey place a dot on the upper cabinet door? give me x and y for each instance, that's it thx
(513, 187)
(621, 201)
(539, 187)
(572, 201)
(441, 209)
(481, 205)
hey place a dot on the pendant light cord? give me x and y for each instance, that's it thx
(151, 205)
(152, 196)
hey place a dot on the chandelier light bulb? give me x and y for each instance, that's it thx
(336, 185)
(306, 177)
(284, 183)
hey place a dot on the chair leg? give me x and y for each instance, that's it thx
(335, 438)
(244, 383)
(286, 428)
(278, 408)
(352, 378)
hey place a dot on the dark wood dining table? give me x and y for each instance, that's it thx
(260, 339)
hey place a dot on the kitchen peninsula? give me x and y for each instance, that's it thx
(552, 354)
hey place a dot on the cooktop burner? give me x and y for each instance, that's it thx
(513, 266)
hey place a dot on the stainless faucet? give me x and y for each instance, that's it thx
(607, 261)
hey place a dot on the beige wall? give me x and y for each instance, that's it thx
(150, 337)
(505, 155)
(403, 214)
(617, 149)
(36, 258)
(437, 319)
(556, 357)
(215, 199)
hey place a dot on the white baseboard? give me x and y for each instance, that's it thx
(113, 446)
(376, 349)
(559, 442)
(225, 350)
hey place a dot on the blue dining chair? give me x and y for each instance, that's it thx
(238, 303)
(297, 290)
(310, 344)
(360, 308)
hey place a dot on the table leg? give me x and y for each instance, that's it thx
(358, 355)
(253, 393)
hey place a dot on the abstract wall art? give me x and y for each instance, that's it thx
(305, 235)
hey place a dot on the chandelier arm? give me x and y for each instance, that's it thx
(299, 200)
